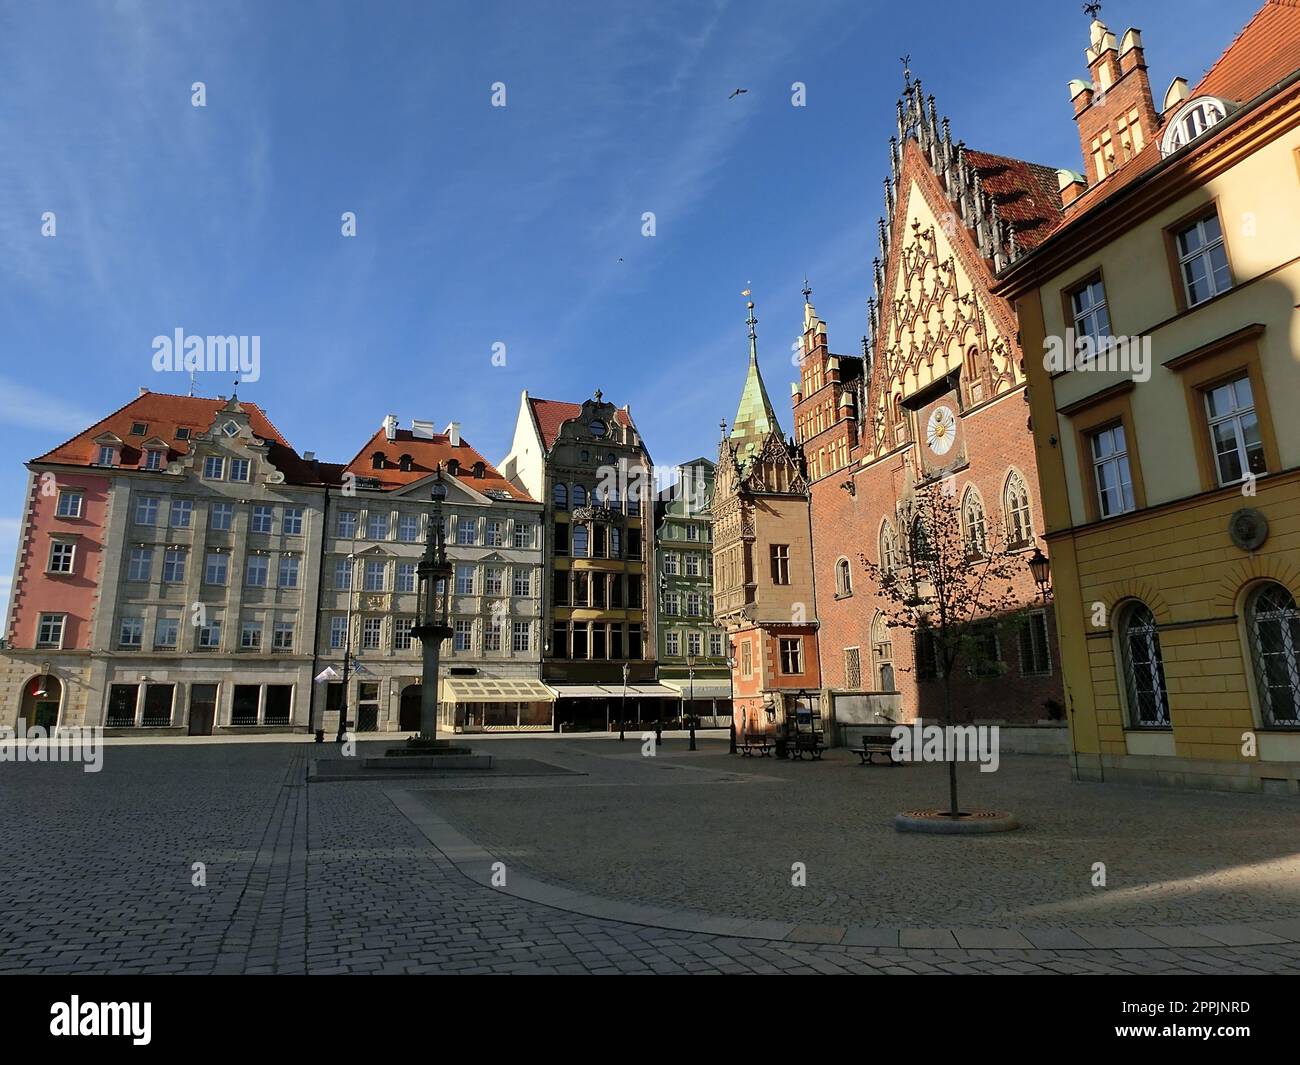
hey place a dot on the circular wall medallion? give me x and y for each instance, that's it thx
(1248, 528)
(941, 430)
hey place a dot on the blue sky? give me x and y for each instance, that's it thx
(478, 225)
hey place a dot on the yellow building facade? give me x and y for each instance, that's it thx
(1162, 348)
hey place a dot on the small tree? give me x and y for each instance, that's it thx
(952, 585)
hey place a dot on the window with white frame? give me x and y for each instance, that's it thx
(464, 578)
(107, 455)
(791, 655)
(1015, 506)
(377, 525)
(1035, 654)
(843, 578)
(670, 563)
(221, 516)
(209, 635)
(153, 459)
(338, 632)
(523, 536)
(214, 468)
(465, 531)
(372, 634)
(240, 469)
(522, 584)
(692, 531)
(496, 534)
(493, 580)
(402, 633)
(250, 636)
(345, 525)
(62, 553)
(521, 636)
(1091, 319)
(1110, 471)
(1194, 118)
(374, 575)
(1203, 259)
(673, 644)
(408, 528)
(180, 513)
(888, 549)
(1234, 431)
(282, 636)
(69, 504)
(49, 630)
(492, 632)
(174, 565)
(1144, 669)
(463, 634)
(974, 526)
(672, 603)
(288, 571)
(694, 644)
(1273, 626)
(130, 634)
(693, 604)
(214, 571)
(146, 510)
(715, 645)
(166, 634)
(692, 564)
(405, 577)
(263, 519)
(291, 522)
(343, 574)
(257, 571)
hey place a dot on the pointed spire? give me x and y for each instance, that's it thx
(755, 417)
(751, 321)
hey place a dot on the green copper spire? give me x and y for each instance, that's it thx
(755, 419)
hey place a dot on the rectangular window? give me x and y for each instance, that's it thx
(715, 645)
(521, 638)
(374, 576)
(561, 538)
(69, 505)
(282, 636)
(791, 655)
(672, 603)
(291, 524)
(1035, 657)
(746, 659)
(372, 631)
(492, 634)
(343, 574)
(493, 580)
(345, 526)
(465, 531)
(1203, 259)
(986, 653)
(131, 634)
(464, 634)
(107, 456)
(402, 633)
(692, 531)
(523, 582)
(61, 555)
(670, 563)
(927, 655)
(221, 516)
(263, 519)
(692, 563)
(1234, 431)
(166, 634)
(146, 510)
(338, 632)
(288, 571)
(214, 467)
(257, 571)
(174, 565)
(692, 604)
(1110, 470)
(496, 536)
(523, 534)
(250, 636)
(464, 579)
(376, 525)
(780, 563)
(694, 644)
(210, 635)
(240, 469)
(852, 668)
(405, 577)
(215, 570)
(49, 630)
(1091, 318)
(672, 644)
(408, 528)
(180, 513)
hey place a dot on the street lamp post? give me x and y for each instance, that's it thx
(347, 650)
(1041, 568)
(432, 606)
(622, 712)
(731, 684)
(690, 673)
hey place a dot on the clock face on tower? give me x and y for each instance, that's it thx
(941, 430)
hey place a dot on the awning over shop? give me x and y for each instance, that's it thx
(704, 689)
(585, 691)
(483, 690)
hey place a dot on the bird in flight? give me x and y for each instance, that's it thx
(736, 93)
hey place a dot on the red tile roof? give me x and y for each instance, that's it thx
(551, 414)
(1262, 55)
(427, 453)
(1027, 195)
(163, 414)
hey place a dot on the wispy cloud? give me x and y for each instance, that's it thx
(40, 408)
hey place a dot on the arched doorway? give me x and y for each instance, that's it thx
(40, 702)
(408, 718)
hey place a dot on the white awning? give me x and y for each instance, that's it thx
(653, 690)
(704, 689)
(586, 691)
(496, 690)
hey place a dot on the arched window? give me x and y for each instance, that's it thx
(1144, 668)
(882, 654)
(377, 461)
(919, 541)
(1192, 119)
(843, 578)
(580, 535)
(888, 549)
(974, 531)
(453, 467)
(561, 495)
(1273, 624)
(404, 463)
(1015, 507)
(579, 496)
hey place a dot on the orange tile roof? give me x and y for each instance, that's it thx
(163, 414)
(551, 414)
(1262, 55)
(1026, 195)
(427, 453)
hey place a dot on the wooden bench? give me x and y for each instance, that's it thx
(807, 743)
(751, 742)
(873, 745)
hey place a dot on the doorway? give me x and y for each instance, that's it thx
(40, 703)
(203, 709)
(408, 718)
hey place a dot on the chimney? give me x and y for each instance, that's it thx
(308, 456)
(796, 396)
(421, 430)
(1177, 95)
(1115, 114)
(390, 427)
(1072, 186)
(452, 433)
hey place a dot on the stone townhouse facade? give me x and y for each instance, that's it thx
(378, 521)
(166, 576)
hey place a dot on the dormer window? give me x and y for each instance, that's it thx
(139, 428)
(1193, 119)
(107, 455)
(478, 469)
(453, 467)
(377, 461)
(230, 429)
(404, 463)
(182, 433)
(153, 459)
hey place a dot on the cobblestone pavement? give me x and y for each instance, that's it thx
(97, 874)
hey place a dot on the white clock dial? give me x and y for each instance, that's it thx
(941, 430)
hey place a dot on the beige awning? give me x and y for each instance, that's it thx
(483, 690)
(704, 689)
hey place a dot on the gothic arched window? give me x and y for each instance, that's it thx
(1015, 507)
(1273, 624)
(1144, 668)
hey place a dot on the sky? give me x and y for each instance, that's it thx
(480, 225)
